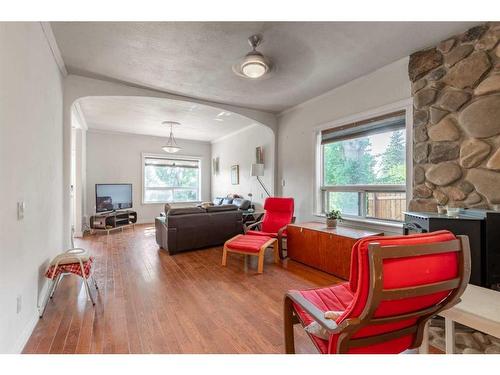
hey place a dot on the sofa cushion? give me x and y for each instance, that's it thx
(185, 211)
(227, 201)
(223, 207)
(241, 203)
(218, 201)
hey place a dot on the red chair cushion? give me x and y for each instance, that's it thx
(250, 244)
(335, 298)
(398, 273)
(259, 233)
(279, 213)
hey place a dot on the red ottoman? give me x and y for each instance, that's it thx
(251, 245)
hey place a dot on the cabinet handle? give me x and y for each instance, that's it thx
(301, 229)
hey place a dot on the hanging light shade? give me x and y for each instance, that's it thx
(171, 146)
(254, 64)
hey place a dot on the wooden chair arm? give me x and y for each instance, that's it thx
(247, 228)
(280, 232)
(314, 312)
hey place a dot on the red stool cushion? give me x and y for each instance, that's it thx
(73, 268)
(249, 244)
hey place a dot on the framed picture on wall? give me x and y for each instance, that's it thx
(235, 174)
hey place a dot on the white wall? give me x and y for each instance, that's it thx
(296, 127)
(239, 149)
(117, 158)
(31, 170)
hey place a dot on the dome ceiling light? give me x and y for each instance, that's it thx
(253, 65)
(171, 146)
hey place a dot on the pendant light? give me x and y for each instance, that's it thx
(254, 65)
(171, 146)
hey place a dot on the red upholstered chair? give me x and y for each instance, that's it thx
(396, 285)
(279, 213)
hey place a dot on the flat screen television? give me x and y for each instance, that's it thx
(110, 197)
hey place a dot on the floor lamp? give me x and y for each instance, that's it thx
(257, 170)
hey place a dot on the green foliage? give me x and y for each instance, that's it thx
(349, 162)
(180, 183)
(393, 169)
(334, 214)
(352, 162)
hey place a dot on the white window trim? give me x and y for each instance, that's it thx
(176, 157)
(402, 105)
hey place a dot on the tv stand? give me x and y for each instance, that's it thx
(110, 221)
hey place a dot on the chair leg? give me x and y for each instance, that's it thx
(276, 252)
(260, 267)
(87, 289)
(224, 256)
(56, 284)
(95, 282)
(289, 322)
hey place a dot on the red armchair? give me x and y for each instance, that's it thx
(396, 285)
(279, 213)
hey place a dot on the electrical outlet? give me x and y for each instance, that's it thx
(20, 210)
(19, 304)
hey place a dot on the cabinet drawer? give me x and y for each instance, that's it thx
(302, 246)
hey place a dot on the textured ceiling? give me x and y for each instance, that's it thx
(195, 58)
(143, 115)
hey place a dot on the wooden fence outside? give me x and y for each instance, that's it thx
(386, 205)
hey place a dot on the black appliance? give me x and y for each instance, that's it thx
(483, 229)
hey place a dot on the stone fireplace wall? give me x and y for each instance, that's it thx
(456, 98)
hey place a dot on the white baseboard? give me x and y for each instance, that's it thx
(28, 329)
(25, 334)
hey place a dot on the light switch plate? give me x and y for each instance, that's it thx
(20, 210)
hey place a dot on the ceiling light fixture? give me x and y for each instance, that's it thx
(253, 65)
(171, 146)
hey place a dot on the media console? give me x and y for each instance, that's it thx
(110, 221)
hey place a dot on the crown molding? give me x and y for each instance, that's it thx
(54, 48)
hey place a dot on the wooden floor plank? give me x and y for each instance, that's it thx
(151, 302)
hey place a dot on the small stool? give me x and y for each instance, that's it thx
(74, 261)
(251, 245)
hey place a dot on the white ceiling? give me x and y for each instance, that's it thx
(195, 58)
(144, 115)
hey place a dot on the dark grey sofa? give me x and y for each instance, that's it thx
(195, 228)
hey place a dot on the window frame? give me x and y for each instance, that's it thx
(145, 156)
(321, 191)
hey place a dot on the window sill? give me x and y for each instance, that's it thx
(384, 226)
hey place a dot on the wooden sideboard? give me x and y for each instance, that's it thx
(327, 249)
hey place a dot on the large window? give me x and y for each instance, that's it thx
(364, 168)
(171, 179)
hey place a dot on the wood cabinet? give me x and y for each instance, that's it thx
(327, 249)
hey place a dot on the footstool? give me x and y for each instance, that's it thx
(251, 245)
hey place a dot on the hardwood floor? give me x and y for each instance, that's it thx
(151, 302)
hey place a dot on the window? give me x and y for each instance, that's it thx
(363, 168)
(169, 179)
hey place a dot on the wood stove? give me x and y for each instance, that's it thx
(483, 229)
